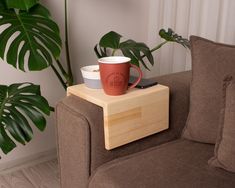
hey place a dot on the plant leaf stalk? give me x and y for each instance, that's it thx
(70, 74)
(65, 76)
(59, 76)
(157, 47)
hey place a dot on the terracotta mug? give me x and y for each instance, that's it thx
(115, 73)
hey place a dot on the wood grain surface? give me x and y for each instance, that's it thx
(129, 117)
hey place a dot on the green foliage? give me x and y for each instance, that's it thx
(34, 32)
(21, 4)
(18, 104)
(129, 48)
(137, 51)
(110, 40)
(34, 44)
(171, 36)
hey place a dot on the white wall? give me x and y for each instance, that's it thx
(91, 19)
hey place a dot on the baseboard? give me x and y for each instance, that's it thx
(27, 161)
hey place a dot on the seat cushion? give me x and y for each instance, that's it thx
(211, 62)
(178, 164)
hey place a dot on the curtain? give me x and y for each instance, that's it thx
(212, 19)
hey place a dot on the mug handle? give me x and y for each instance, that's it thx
(139, 78)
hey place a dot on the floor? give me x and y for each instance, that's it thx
(44, 175)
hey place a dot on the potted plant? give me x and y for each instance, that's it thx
(38, 35)
(111, 43)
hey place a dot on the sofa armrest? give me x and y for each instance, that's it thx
(80, 132)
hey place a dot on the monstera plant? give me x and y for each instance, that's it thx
(111, 42)
(29, 41)
(35, 38)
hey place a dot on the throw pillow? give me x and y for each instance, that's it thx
(211, 62)
(224, 156)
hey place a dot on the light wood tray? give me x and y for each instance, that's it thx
(129, 117)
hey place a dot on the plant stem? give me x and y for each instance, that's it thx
(64, 73)
(156, 48)
(70, 74)
(113, 52)
(59, 76)
(159, 46)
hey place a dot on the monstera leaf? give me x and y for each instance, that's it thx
(18, 104)
(21, 4)
(129, 48)
(137, 51)
(35, 39)
(171, 36)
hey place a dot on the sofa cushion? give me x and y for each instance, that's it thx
(224, 149)
(211, 62)
(177, 164)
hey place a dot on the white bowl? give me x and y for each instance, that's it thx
(91, 76)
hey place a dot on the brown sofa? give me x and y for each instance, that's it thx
(162, 160)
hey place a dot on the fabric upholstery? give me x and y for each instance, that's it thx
(80, 132)
(211, 62)
(225, 145)
(73, 147)
(177, 164)
(179, 84)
